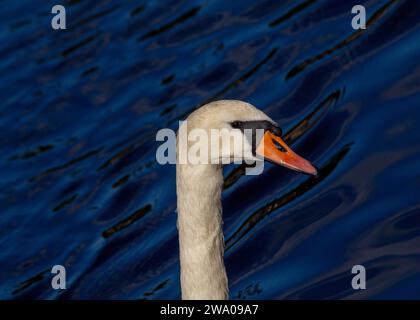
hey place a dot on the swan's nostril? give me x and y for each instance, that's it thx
(279, 146)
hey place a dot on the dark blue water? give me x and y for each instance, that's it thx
(79, 110)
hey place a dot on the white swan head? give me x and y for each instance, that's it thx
(235, 130)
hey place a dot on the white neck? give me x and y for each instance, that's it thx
(203, 274)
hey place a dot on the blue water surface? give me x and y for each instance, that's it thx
(79, 112)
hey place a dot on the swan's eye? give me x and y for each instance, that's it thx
(237, 124)
(277, 131)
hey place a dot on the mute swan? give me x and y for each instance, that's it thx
(199, 187)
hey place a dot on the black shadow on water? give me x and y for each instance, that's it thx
(308, 184)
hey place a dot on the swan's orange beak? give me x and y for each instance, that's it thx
(274, 149)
